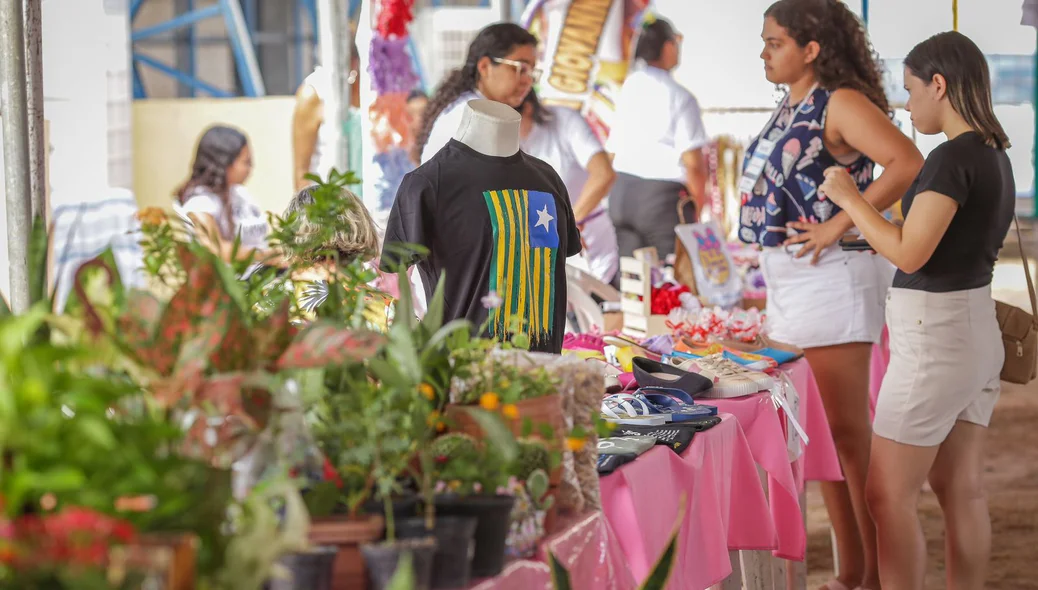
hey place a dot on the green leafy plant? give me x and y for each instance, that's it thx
(270, 523)
(537, 485)
(465, 466)
(74, 435)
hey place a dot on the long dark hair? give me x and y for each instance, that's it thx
(497, 40)
(957, 58)
(846, 58)
(653, 38)
(219, 147)
(539, 112)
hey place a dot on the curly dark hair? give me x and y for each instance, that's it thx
(497, 40)
(218, 148)
(846, 58)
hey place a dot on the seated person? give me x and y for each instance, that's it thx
(214, 199)
(354, 240)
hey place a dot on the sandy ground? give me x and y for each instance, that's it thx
(1012, 482)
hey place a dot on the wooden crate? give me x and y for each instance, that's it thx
(636, 295)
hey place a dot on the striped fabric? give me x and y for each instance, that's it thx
(82, 231)
(526, 242)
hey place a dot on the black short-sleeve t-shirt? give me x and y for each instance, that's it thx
(980, 179)
(492, 225)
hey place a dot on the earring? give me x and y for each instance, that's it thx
(352, 78)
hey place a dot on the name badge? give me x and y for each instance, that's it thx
(751, 174)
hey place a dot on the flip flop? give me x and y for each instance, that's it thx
(624, 408)
(672, 400)
(835, 584)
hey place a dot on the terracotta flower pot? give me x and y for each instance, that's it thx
(540, 410)
(348, 535)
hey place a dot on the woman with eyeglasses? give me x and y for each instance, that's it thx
(500, 66)
(656, 141)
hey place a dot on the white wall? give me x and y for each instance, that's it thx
(86, 102)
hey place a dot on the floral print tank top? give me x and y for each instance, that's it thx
(787, 189)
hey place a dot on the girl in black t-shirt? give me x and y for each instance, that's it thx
(946, 350)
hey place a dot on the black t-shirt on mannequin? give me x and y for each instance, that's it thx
(980, 179)
(501, 225)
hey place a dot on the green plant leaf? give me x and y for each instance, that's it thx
(442, 335)
(496, 433)
(38, 264)
(434, 314)
(97, 431)
(403, 578)
(404, 305)
(322, 499)
(559, 575)
(537, 484)
(388, 373)
(660, 573)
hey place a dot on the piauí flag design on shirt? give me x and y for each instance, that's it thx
(526, 244)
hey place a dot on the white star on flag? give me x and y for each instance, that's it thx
(544, 218)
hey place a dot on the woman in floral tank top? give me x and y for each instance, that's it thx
(821, 298)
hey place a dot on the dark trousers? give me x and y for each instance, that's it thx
(645, 213)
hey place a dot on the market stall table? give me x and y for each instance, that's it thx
(727, 510)
(588, 549)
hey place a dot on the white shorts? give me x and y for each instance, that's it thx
(840, 300)
(945, 358)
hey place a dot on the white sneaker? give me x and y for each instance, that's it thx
(730, 378)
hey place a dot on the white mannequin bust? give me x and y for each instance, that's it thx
(491, 128)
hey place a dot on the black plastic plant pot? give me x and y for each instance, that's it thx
(311, 570)
(493, 515)
(381, 560)
(404, 507)
(455, 547)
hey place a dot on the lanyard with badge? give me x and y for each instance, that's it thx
(765, 147)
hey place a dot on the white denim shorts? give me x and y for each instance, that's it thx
(839, 300)
(946, 355)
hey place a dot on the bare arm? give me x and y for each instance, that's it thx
(861, 125)
(599, 182)
(208, 234)
(306, 121)
(911, 246)
(695, 177)
(854, 122)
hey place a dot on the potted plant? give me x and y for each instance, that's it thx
(473, 480)
(531, 488)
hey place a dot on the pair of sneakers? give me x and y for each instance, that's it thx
(730, 378)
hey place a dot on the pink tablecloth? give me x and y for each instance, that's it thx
(726, 506)
(588, 550)
(820, 462)
(766, 436)
(880, 360)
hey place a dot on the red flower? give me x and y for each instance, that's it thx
(330, 473)
(441, 459)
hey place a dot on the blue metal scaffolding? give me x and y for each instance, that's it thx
(238, 35)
